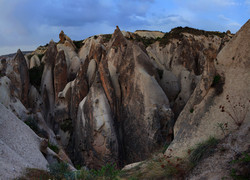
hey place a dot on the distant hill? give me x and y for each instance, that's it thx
(9, 56)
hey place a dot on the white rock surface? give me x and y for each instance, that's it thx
(19, 146)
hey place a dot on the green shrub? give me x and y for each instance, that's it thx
(32, 123)
(218, 83)
(53, 147)
(67, 125)
(203, 150)
(108, 171)
(191, 110)
(176, 33)
(59, 170)
(106, 37)
(146, 41)
(40, 56)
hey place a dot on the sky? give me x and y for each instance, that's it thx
(27, 24)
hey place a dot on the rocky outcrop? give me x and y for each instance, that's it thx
(183, 54)
(218, 98)
(221, 163)
(64, 39)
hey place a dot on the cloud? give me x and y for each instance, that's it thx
(35, 22)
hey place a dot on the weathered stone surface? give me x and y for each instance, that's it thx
(60, 73)
(91, 72)
(5, 97)
(47, 85)
(19, 146)
(21, 79)
(219, 165)
(80, 88)
(96, 140)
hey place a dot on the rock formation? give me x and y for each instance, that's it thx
(120, 98)
(60, 73)
(20, 78)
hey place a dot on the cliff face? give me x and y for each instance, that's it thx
(115, 98)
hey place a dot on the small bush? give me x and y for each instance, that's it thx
(146, 41)
(203, 150)
(40, 56)
(176, 33)
(106, 37)
(108, 171)
(218, 84)
(32, 123)
(191, 110)
(53, 147)
(67, 125)
(241, 166)
(35, 174)
(59, 170)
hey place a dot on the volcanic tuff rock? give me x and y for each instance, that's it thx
(19, 146)
(182, 61)
(231, 90)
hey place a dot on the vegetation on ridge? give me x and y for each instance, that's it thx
(176, 33)
(58, 171)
